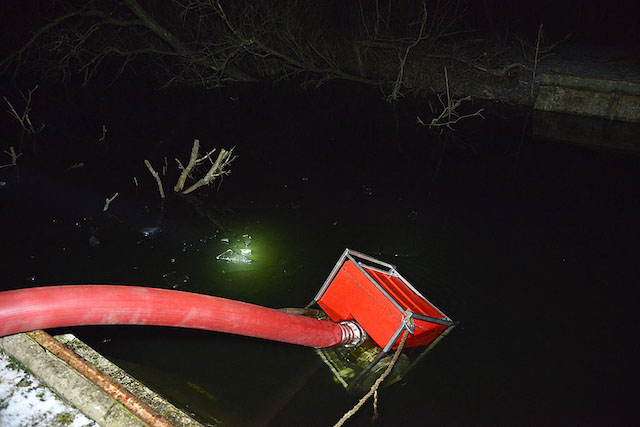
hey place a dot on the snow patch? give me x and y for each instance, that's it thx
(26, 402)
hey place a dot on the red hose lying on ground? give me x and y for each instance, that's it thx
(76, 305)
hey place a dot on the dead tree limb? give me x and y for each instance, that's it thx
(42, 30)
(449, 116)
(399, 82)
(193, 159)
(156, 177)
(108, 201)
(214, 43)
(218, 168)
(24, 119)
(14, 157)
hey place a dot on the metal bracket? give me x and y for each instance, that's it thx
(408, 322)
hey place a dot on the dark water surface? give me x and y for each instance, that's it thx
(531, 245)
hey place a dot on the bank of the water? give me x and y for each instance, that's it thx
(38, 388)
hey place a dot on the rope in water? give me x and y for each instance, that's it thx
(374, 387)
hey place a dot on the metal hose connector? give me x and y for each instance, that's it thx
(352, 334)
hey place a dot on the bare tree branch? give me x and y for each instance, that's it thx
(213, 43)
(24, 119)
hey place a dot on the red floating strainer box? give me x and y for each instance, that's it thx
(381, 301)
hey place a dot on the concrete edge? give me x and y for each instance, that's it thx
(592, 84)
(144, 393)
(69, 384)
(611, 100)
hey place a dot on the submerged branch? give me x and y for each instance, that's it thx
(24, 119)
(186, 170)
(14, 157)
(218, 168)
(156, 177)
(108, 201)
(449, 116)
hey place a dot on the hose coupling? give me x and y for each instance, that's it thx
(352, 334)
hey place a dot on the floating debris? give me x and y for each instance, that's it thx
(230, 256)
(150, 232)
(367, 190)
(93, 241)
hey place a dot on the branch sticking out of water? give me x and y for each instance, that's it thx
(108, 201)
(218, 168)
(14, 157)
(193, 160)
(448, 116)
(156, 176)
(24, 119)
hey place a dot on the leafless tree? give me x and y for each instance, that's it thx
(214, 43)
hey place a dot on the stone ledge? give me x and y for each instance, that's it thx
(79, 391)
(590, 97)
(142, 392)
(69, 384)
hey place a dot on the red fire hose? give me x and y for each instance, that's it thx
(77, 305)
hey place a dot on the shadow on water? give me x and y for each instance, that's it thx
(531, 245)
